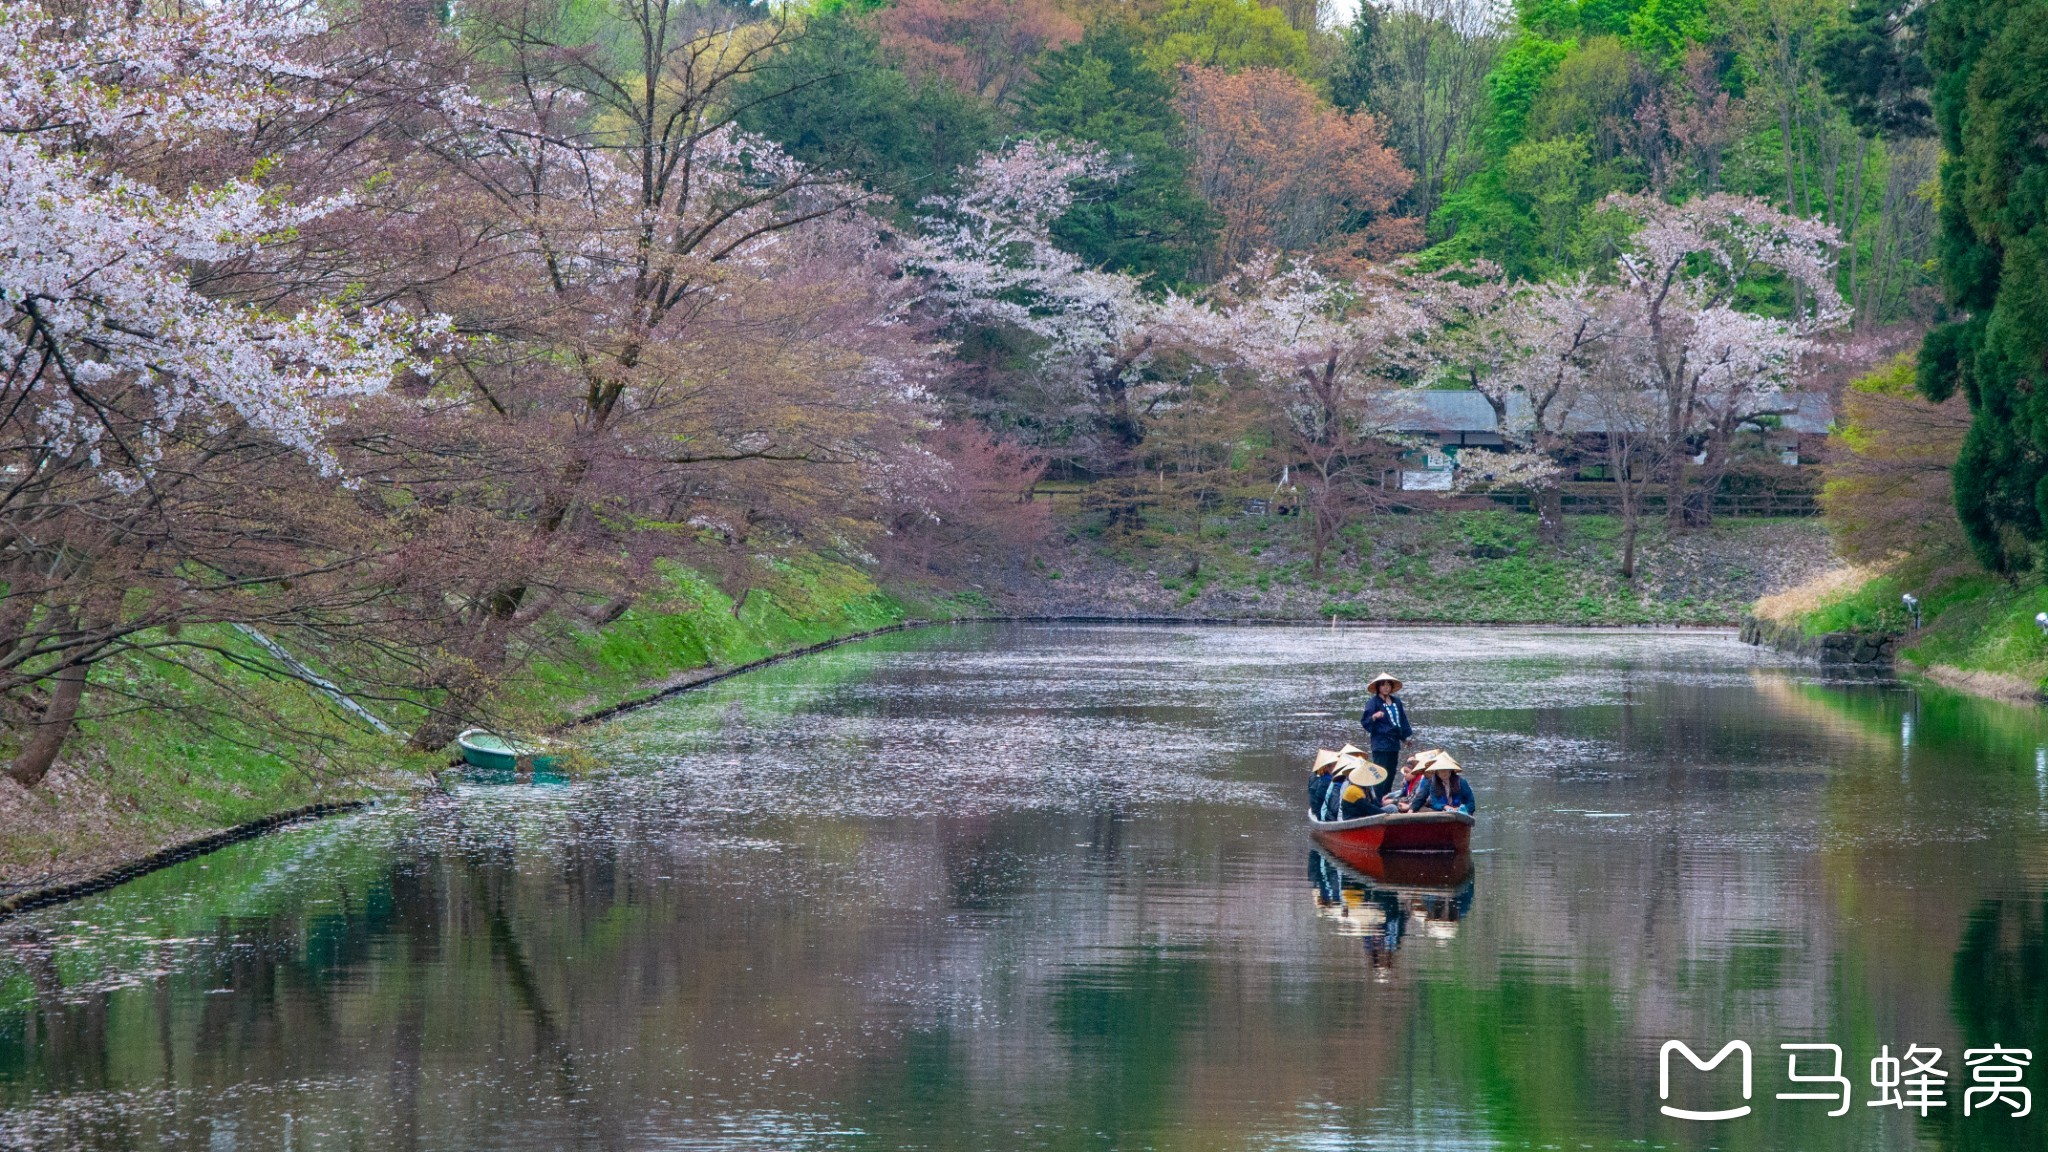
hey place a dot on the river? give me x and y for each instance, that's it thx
(1019, 887)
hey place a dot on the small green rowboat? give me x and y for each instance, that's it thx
(489, 750)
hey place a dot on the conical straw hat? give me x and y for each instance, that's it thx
(1325, 759)
(1375, 681)
(1366, 774)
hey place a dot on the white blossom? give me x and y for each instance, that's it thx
(100, 324)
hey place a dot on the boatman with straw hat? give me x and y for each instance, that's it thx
(1386, 719)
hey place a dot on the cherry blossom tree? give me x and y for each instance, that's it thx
(1665, 335)
(699, 344)
(1529, 349)
(989, 256)
(1330, 357)
(1715, 366)
(111, 355)
(103, 331)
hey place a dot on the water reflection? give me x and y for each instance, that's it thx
(1378, 898)
(1094, 936)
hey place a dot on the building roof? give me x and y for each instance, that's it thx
(1812, 413)
(1445, 411)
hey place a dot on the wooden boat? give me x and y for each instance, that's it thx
(1397, 832)
(484, 749)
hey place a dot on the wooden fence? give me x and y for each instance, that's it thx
(1582, 498)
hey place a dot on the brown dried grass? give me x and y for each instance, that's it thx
(1797, 601)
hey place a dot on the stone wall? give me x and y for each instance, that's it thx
(1863, 649)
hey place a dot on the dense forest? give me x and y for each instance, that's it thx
(417, 335)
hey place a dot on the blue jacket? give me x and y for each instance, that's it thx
(1318, 786)
(1387, 721)
(1428, 796)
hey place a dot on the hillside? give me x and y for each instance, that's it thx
(1481, 566)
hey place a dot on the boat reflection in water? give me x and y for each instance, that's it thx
(1383, 898)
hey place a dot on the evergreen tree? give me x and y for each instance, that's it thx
(831, 99)
(1873, 65)
(1149, 222)
(1357, 77)
(1989, 60)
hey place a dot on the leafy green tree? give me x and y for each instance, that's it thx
(1561, 133)
(1228, 34)
(832, 99)
(1149, 222)
(1421, 71)
(1549, 178)
(1989, 60)
(1664, 29)
(1521, 72)
(1563, 19)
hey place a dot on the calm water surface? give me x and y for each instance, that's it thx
(1021, 888)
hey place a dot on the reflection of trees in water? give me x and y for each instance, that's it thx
(1999, 994)
(1125, 1024)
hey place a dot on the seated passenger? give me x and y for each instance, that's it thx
(1319, 779)
(1445, 789)
(1400, 795)
(1332, 798)
(1379, 789)
(1365, 783)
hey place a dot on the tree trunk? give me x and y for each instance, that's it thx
(1675, 492)
(36, 756)
(1630, 523)
(1550, 517)
(1320, 531)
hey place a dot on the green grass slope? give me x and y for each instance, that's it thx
(238, 747)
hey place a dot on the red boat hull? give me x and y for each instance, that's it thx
(1407, 832)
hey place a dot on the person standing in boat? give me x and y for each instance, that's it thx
(1445, 790)
(1386, 719)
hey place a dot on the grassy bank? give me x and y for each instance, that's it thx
(1978, 631)
(138, 776)
(1463, 566)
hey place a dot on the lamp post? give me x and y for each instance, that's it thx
(1912, 604)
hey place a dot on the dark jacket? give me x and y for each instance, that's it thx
(1387, 721)
(1336, 807)
(1428, 796)
(1367, 805)
(1326, 803)
(1318, 785)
